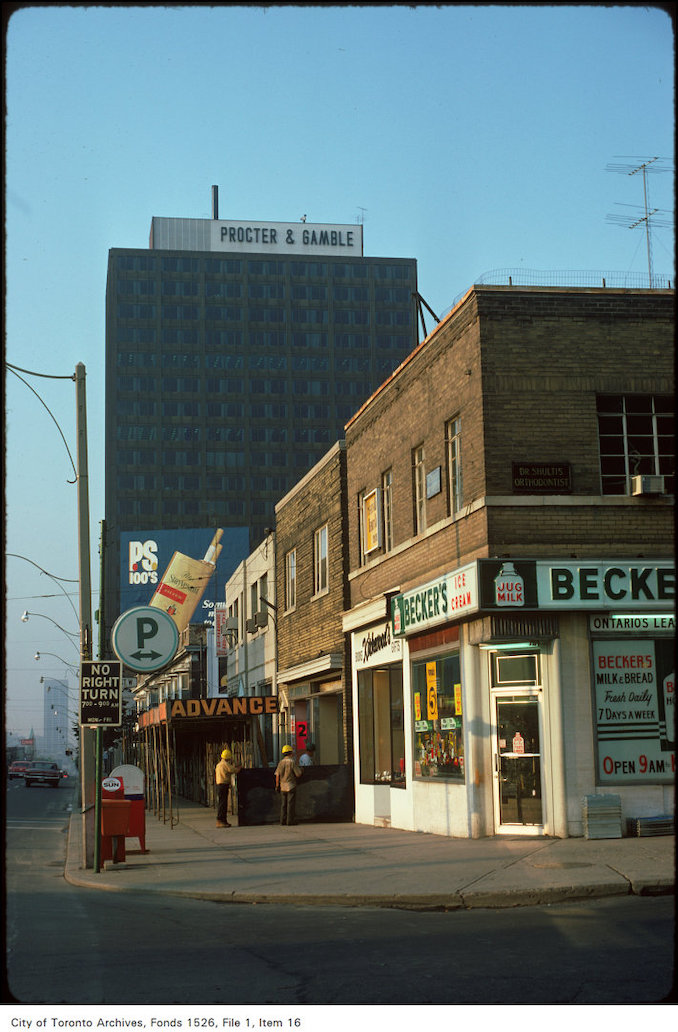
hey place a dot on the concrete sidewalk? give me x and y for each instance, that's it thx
(361, 865)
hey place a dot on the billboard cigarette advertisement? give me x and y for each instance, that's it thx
(181, 571)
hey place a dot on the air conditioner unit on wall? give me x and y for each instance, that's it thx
(647, 485)
(250, 625)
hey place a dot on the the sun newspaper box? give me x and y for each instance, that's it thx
(115, 811)
(132, 779)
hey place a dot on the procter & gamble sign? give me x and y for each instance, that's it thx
(287, 238)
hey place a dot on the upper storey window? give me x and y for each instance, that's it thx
(635, 435)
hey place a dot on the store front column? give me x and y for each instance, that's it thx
(556, 783)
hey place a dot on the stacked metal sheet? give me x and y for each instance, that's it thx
(602, 816)
(643, 827)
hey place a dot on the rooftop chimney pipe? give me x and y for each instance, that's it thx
(215, 202)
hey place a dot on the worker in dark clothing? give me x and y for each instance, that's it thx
(286, 774)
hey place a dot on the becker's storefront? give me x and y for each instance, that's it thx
(495, 698)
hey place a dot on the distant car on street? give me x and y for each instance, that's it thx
(42, 772)
(16, 769)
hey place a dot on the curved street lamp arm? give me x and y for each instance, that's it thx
(13, 369)
(56, 580)
(71, 634)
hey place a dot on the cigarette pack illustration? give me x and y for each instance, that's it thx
(184, 581)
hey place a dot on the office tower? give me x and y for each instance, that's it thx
(235, 354)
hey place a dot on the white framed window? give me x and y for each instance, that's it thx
(291, 579)
(320, 573)
(453, 450)
(371, 522)
(387, 508)
(419, 478)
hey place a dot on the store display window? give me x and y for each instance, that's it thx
(437, 718)
(382, 726)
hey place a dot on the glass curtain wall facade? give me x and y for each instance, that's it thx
(229, 375)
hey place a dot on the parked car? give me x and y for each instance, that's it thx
(42, 772)
(16, 769)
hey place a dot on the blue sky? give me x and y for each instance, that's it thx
(471, 138)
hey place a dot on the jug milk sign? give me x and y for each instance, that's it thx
(101, 693)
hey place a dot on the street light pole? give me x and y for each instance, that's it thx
(89, 788)
(90, 746)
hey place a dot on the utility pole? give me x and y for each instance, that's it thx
(90, 745)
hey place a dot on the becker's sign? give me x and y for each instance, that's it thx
(603, 585)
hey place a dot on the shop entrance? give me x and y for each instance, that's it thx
(518, 763)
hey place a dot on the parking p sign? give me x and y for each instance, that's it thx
(145, 638)
(101, 693)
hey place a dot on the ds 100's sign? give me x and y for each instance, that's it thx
(146, 555)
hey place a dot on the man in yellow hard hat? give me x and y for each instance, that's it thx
(286, 774)
(224, 772)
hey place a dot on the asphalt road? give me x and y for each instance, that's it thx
(68, 945)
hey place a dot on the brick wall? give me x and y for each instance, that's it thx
(314, 625)
(522, 367)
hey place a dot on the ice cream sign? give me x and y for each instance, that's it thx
(439, 601)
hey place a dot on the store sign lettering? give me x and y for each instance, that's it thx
(234, 707)
(596, 585)
(444, 599)
(376, 646)
(635, 710)
(623, 624)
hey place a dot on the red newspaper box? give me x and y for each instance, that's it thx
(133, 790)
(114, 820)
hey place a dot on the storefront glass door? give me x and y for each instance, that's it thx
(518, 769)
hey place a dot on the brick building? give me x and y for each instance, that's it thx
(510, 539)
(313, 679)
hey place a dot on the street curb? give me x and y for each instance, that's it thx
(470, 899)
(511, 898)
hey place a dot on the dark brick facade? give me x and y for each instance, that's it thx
(522, 368)
(313, 628)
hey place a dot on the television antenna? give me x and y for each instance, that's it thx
(644, 167)
(360, 219)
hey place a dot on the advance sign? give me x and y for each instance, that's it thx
(145, 638)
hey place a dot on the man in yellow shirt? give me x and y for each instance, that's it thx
(224, 772)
